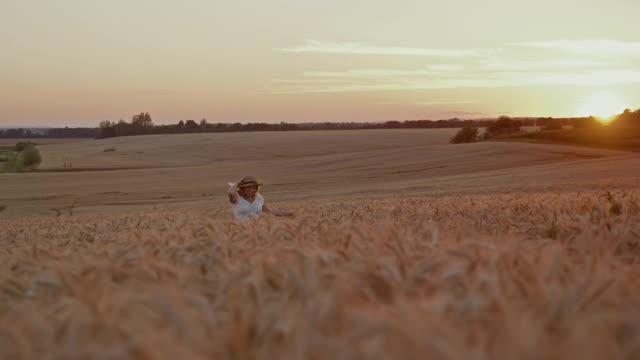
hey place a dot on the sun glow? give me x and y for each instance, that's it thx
(603, 105)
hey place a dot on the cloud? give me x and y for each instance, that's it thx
(587, 47)
(313, 46)
(403, 84)
(585, 78)
(382, 81)
(370, 73)
(446, 102)
(438, 102)
(516, 64)
(459, 113)
(555, 64)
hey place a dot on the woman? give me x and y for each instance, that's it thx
(247, 203)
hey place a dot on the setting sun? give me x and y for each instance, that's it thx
(603, 105)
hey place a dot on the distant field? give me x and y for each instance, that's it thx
(604, 137)
(5, 142)
(147, 172)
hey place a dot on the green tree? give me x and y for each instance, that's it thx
(467, 134)
(142, 120)
(190, 124)
(31, 157)
(504, 125)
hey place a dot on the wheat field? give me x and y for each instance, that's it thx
(537, 276)
(411, 249)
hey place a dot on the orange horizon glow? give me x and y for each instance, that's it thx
(604, 105)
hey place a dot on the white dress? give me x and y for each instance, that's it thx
(243, 209)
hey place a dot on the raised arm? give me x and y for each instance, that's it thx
(268, 210)
(232, 192)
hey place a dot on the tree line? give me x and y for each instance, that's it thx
(626, 122)
(66, 132)
(142, 124)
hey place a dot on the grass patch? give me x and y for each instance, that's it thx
(13, 163)
(5, 152)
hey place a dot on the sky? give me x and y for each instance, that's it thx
(78, 62)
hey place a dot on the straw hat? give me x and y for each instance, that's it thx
(248, 181)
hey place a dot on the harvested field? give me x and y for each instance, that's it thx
(154, 172)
